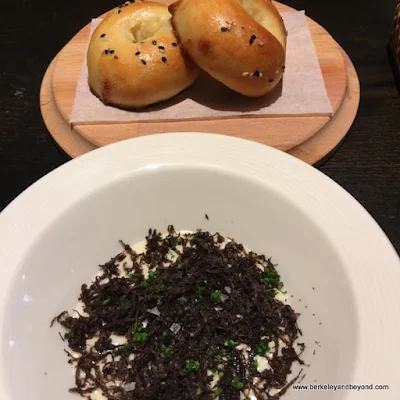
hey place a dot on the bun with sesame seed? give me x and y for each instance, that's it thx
(241, 43)
(134, 58)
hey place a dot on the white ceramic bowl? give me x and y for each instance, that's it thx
(333, 258)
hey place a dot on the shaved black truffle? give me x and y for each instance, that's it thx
(199, 306)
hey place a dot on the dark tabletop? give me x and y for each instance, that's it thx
(367, 164)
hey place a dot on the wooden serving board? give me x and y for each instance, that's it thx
(294, 134)
(310, 151)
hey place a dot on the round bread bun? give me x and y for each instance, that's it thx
(241, 43)
(134, 58)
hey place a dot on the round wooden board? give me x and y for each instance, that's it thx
(283, 133)
(311, 151)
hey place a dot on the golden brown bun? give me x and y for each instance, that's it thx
(134, 59)
(241, 43)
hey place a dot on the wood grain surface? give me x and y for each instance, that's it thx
(367, 164)
(311, 151)
(280, 132)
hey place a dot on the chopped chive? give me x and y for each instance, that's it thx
(237, 383)
(211, 352)
(271, 276)
(200, 292)
(140, 337)
(192, 365)
(228, 343)
(106, 302)
(271, 292)
(216, 296)
(198, 391)
(127, 350)
(218, 391)
(158, 288)
(166, 351)
(152, 275)
(254, 366)
(262, 349)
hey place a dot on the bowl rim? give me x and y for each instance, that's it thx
(327, 204)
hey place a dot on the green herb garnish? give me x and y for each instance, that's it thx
(271, 292)
(132, 277)
(127, 350)
(192, 365)
(158, 288)
(106, 302)
(254, 366)
(152, 275)
(228, 343)
(216, 297)
(166, 351)
(271, 278)
(262, 349)
(237, 383)
(200, 292)
(140, 337)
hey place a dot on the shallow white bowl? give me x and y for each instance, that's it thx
(340, 268)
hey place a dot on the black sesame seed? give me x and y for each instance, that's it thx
(283, 68)
(164, 59)
(143, 62)
(161, 47)
(119, 11)
(252, 39)
(154, 42)
(106, 51)
(224, 29)
(137, 53)
(112, 51)
(103, 35)
(256, 73)
(174, 44)
(270, 80)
